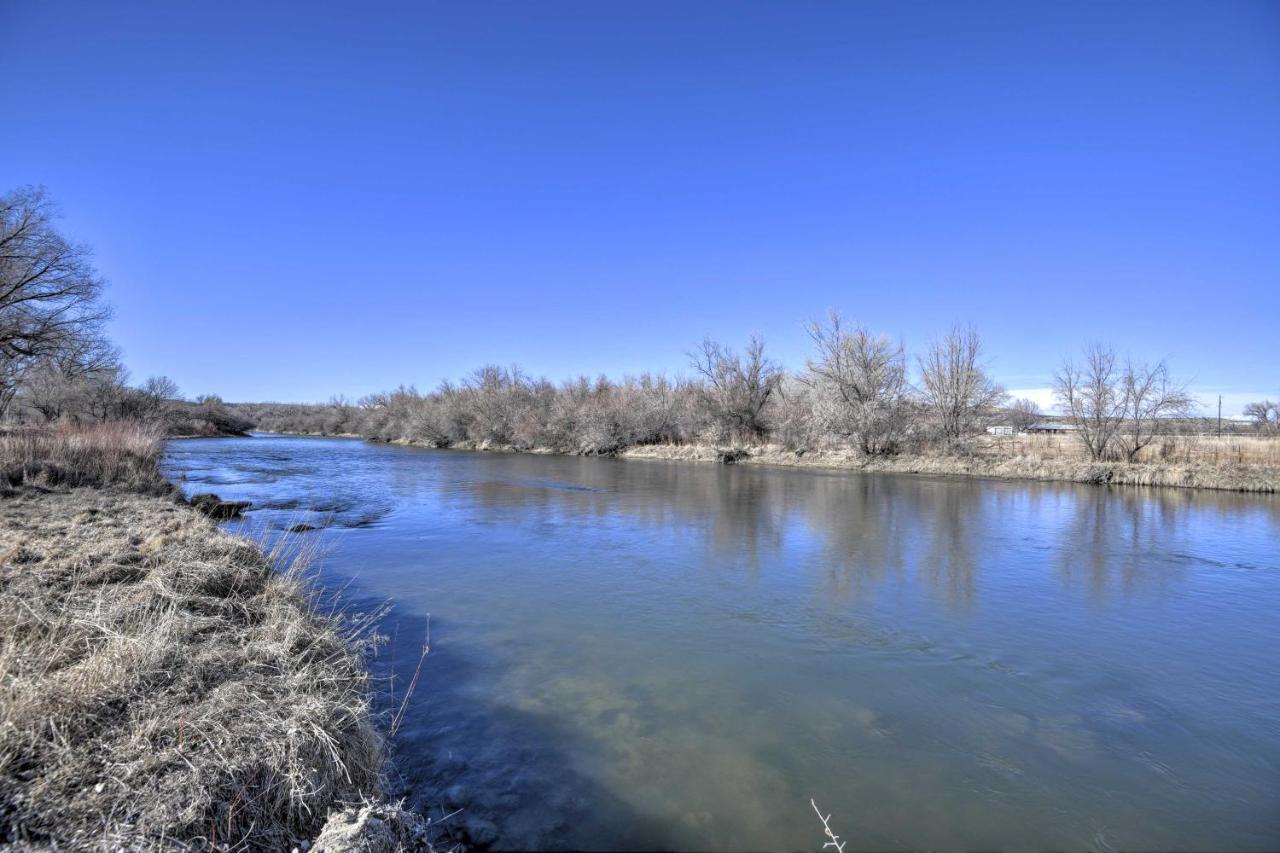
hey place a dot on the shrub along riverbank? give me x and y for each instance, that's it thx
(855, 405)
(161, 684)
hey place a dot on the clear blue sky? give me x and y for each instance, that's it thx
(295, 201)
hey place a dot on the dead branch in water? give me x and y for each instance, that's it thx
(413, 683)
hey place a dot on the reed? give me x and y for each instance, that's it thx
(114, 453)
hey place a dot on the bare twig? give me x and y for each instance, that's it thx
(413, 683)
(826, 828)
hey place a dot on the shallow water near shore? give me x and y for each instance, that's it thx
(635, 654)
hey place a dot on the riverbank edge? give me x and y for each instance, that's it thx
(1256, 479)
(349, 814)
(1259, 479)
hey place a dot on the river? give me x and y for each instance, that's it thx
(634, 654)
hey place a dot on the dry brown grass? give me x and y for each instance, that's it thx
(161, 685)
(996, 462)
(1171, 450)
(124, 453)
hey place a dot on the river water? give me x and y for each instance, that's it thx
(637, 655)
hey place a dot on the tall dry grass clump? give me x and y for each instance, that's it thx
(1166, 450)
(160, 684)
(113, 453)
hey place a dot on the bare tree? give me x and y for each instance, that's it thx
(154, 401)
(861, 384)
(496, 399)
(389, 415)
(49, 291)
(1113, 405)
(106, 395)
(48, 391)
(796, 413)
(1089, 395)
(1264, 414)
(339, 416)
(85, 355)
(73, 385)
(161, 388)
(737, 388)
(1024, 414)
(211, 409)
(12, 373)
(652, 405)
(1151, 399)
(955, 384)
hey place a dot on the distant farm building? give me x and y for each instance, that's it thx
(1048, 428)
(1000, 429)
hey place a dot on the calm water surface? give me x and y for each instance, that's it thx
(646, 654)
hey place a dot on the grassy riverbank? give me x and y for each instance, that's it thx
(1240, 477)
(1192, 468)
(161, 684)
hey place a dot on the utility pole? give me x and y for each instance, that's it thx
(1219, 416)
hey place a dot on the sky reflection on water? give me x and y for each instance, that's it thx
(639, 654)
